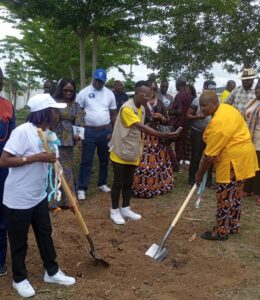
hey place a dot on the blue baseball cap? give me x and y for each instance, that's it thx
(100, 74)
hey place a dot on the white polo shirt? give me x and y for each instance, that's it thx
(25, 185)
(96, 105)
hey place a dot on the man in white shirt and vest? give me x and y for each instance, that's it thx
(126, 146)
(100, 109)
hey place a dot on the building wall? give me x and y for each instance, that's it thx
(21, 100)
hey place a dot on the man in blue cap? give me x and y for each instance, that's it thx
(99, 104)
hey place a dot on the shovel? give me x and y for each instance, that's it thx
(159, 253)
(73, 203)
(201, 189)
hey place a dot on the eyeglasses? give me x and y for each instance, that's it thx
(68, 91)
(154, 89)
(146, 96)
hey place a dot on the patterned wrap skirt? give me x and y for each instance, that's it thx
(153, 176)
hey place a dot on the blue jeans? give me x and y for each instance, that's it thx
(94, 138)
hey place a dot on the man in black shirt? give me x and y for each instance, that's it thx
(121, 97)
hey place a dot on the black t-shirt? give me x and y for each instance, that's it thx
(121, 98)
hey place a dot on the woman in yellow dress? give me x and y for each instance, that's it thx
(229, 147)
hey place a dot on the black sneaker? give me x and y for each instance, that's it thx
(3, 270)
(212, 236)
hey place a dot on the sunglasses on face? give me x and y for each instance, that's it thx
(154, 89)
(146, 96)
(68, 91)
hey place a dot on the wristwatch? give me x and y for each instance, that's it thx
(24, 159)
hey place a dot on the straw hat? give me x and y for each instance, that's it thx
(248, 74)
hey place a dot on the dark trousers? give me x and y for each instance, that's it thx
(174, 162)
(197, 148)
(179, 148)
(3, 218)
(3, 236)
(123, 181)
(19, 221)
(94, 138)
(252, 185)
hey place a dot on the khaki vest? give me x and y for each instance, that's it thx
(126, 142)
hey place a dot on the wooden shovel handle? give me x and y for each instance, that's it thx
(71, 197)
(73, 203)
(184, 205)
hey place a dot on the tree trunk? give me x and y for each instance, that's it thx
(82, 40)
(131, 71)
(246, 63)
(28, 93)
(10, 91)
(15, 99)
(72, 73)
(94, 52)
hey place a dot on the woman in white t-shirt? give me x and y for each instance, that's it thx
(25, 194)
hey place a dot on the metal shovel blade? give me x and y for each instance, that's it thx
(157, 253)
(98, 259)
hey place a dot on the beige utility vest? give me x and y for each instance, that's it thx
(126, 142)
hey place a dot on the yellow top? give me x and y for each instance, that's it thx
(227, 136)
(128, 118)
(224, 95)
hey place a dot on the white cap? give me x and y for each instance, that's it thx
(43, 101)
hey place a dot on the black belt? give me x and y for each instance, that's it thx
(98, 128)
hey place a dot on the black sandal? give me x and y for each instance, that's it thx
(209, 235)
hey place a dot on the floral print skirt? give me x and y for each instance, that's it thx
(153, 176)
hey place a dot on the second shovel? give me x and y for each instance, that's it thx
(158, 252)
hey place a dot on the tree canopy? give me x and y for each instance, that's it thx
(199, 33)
(54, 52)
(91, 18)
(193, 34)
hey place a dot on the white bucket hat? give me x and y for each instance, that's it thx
(43, 101)
(248, 74)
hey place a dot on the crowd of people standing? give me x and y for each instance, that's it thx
(145, 138)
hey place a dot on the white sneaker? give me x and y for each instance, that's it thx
(24, 288)
(186, 162)
(104, 188)
(126, 212)
(116, 217)
(81, 195)
(59, 278)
